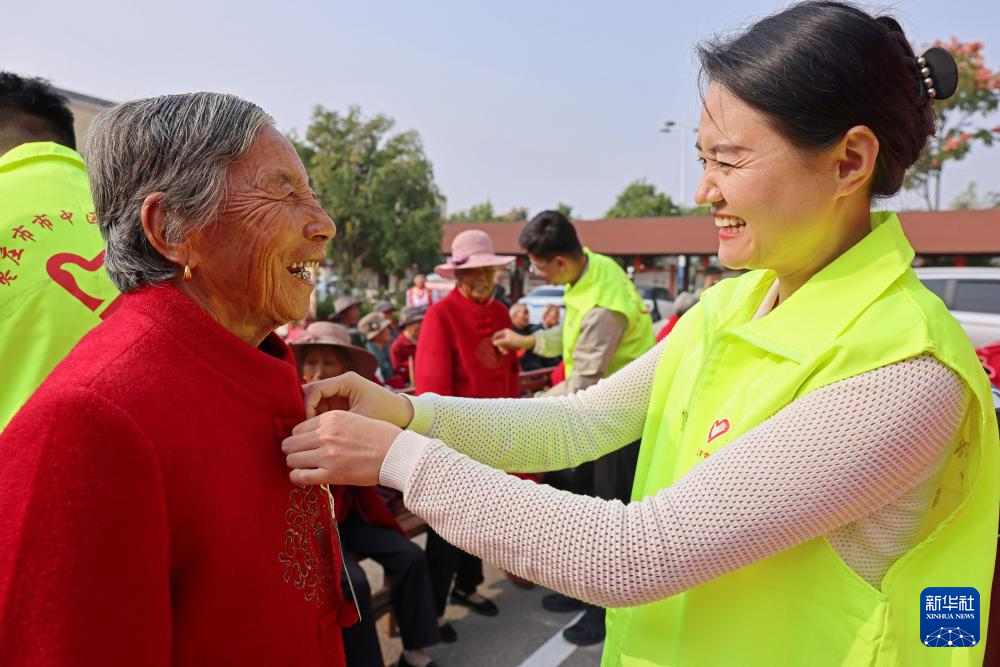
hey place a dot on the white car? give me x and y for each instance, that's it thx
(540, 298)
(973, 297)
(659, 305)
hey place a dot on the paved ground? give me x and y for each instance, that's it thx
(522, 635)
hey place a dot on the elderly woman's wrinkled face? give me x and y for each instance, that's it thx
(257, 262)
(477, 283)
(519, 316)
(320, 362)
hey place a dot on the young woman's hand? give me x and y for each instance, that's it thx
(338, 447)
(362, 397)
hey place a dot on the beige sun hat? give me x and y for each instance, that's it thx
(373, 324)
(472, 249)
(335, 335)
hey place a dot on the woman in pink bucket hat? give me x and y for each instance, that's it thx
(472, 249)
(456, 357)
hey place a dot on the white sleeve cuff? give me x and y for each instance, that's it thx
(399, 464)
(423, 412)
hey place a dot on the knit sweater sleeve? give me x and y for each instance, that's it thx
(543, 434)
(84, 540)
(837, 455)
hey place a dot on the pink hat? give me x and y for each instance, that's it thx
(335, 335)
(472, 249)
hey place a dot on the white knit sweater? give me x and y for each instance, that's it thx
(856, 462)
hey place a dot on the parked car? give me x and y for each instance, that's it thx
(972, 295)
(658, 302)
(540, 297)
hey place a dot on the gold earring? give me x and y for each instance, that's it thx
(187, 272)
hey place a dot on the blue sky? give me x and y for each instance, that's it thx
(523, 103)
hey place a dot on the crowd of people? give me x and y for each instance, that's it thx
(179, 484)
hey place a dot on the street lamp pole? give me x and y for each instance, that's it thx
(668, 127)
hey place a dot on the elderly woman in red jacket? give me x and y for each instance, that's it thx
(146, 514)
(456, 357)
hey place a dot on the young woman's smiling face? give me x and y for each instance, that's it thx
(773, 202)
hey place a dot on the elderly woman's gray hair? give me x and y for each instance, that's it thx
(518, 307)
(180, 145)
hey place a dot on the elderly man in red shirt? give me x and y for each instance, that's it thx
(456, 357)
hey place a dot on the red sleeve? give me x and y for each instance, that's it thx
(433, 363)
(513, 360)
(396, 353)
(84, 548)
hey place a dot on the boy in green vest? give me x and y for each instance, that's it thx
(606, 327)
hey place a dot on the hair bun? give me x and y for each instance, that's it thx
(890, 24)
(939, 68)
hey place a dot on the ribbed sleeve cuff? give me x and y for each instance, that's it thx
(403, 456)
(423, 412)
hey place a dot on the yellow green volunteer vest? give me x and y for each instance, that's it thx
(605, 285)
(53, 287)
(723, 373)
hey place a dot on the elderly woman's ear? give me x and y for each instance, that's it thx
(153, 216)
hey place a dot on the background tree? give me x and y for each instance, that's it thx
(970, 199)
(565, 209)
(961, 120)
(516, 214)
(378, 186)
(482, 212)
(641, 200)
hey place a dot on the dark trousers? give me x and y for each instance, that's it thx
(409, 590)
(447, 563)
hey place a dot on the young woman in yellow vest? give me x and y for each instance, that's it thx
(818, 441)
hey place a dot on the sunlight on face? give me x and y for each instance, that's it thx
(259, 257)
(772, 201)
(477, 284)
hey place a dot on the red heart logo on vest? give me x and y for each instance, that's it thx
(54, 267)
(720, 427)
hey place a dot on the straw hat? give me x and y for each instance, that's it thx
(335, 335)
(472, 249)
(373, 324)
(412, 314)
(343, 303)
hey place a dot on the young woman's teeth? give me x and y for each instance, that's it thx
(730, 224)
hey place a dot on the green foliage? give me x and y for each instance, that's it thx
(516, 214)
(482, 212)
(703, 209)
(969, 199)
(960, 120)
(565, 209)
(378, 186)
(641, 200)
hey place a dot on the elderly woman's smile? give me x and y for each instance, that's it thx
(253, 268)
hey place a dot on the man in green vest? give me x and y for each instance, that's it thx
(605, 328)
(53, 288)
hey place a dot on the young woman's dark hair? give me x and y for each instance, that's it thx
(549, 234)
(36, 97)
(818, 69)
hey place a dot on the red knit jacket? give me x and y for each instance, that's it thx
(146, 515)
(456, 355)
